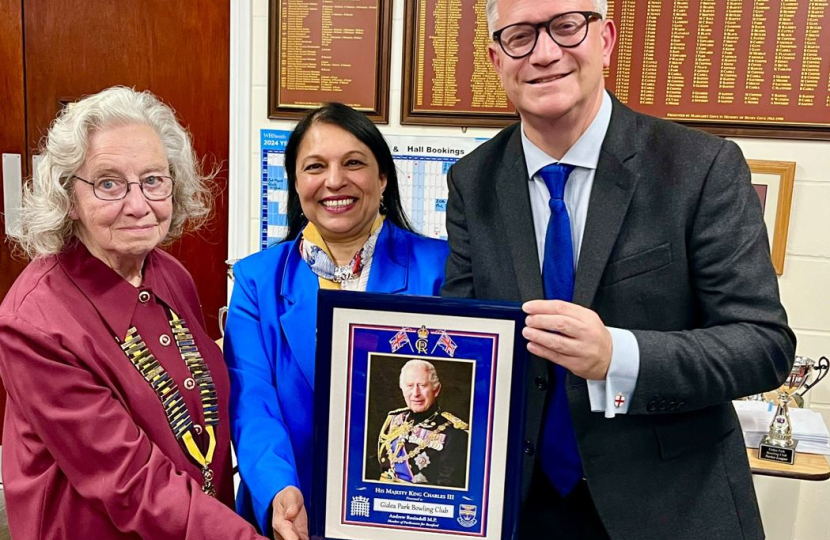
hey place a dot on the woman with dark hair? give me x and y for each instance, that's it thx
(361, 128)
(347, 230)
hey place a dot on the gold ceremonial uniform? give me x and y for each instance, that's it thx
(425, 448)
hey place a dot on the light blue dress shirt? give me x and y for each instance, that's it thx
(621, 379)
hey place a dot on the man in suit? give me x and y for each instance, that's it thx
(420, 443)
(651, 298)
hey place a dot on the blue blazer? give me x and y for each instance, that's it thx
(270, 350)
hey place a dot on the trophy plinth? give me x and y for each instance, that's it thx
(778, 445)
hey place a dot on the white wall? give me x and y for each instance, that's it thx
(791, 509)
(805, 293)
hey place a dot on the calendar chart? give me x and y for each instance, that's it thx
(273, 187)
(421, 163)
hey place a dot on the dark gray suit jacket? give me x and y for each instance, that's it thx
(674, 249)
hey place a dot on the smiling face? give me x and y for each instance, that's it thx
(123, 232)
(553, 82)
(338, 183)
(417, 389)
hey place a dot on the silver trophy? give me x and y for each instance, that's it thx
(779, 445)
(223, 311)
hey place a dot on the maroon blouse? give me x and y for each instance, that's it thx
(87, 448)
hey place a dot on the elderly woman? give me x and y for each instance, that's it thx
(347, 230)
(117, 416)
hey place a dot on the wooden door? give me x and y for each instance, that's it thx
(54, 52)
(177, 50)
(12, 122)
(12, 134)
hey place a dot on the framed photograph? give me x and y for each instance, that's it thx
(413, 428)
(773, 181)
(319, 51)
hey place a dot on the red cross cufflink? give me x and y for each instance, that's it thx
(619, 400)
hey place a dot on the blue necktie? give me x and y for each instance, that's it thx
(560, 455)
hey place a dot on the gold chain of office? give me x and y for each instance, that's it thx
(171, 399)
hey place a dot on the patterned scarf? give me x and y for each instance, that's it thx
(316, 254)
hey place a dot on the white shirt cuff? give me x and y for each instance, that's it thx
(612, 396)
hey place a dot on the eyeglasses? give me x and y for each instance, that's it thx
(155, 187)
(567, 30)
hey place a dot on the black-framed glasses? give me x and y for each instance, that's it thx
(567, 30)
(155, 187)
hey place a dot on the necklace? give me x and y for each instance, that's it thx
(168, 393)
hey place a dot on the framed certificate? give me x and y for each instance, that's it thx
(413, 431)
(773, 181)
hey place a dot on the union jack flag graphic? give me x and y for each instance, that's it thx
(399, 340)
(446, 343)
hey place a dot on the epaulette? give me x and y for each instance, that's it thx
(398, 411)
(457, 423)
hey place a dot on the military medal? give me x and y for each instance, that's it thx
(168, 392)
(422, 461)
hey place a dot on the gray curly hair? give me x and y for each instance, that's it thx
(423, 364)
(600, 6)
(45, 225)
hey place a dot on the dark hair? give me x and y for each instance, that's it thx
(356, 123)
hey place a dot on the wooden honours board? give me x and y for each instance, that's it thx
(732, 67)
(448, 78)
(329, 50)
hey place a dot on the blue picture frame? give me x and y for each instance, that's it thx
(460, 480)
